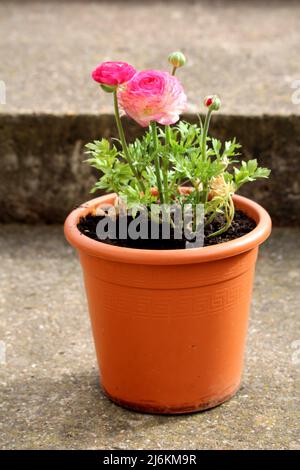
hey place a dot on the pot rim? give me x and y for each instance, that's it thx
(168, 257)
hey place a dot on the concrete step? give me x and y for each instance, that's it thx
(247, 52)
(43, 175)
(49, 381)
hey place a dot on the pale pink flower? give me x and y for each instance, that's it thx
(152, 95)
(113, 73)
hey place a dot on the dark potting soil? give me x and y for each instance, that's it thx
(241, 225)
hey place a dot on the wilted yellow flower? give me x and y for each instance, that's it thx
(219, 187)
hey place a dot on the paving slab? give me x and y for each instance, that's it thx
(49, 392)
(248, 52)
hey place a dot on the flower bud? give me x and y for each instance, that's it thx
(212, 102)
(108, 88)
(177, 59)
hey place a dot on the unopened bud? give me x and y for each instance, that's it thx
(177, 59)
(212, 102)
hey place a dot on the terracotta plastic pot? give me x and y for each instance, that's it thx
(169, 325)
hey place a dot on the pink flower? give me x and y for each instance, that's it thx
(113, 73)
(153, 95)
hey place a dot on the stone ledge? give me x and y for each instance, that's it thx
(43, 175)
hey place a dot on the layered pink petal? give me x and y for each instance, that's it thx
(152, 95)
(113, 73)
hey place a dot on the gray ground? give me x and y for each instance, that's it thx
(246, 51)
(50, 397)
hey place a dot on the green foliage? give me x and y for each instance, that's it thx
(186, 156)
(249, 171)
(115, 173)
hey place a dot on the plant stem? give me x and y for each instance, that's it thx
(124, 144)
(204, 134)
(210, 219)
(165, 179)
(229, 218)
(168, 134)
(156, 162)
(204, 156)
(173, 70)
(166, 164)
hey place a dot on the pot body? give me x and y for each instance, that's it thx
(169, 338)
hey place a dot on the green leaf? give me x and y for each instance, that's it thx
(249, 171)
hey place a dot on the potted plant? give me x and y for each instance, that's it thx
(168, 295)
